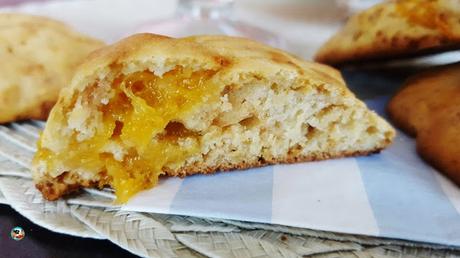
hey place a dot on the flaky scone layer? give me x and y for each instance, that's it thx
(151, 105)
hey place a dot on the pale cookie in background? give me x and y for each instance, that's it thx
(395, 29)
(151, 105)
(38, 57)
(428, 106)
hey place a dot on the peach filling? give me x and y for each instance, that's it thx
(141, 118)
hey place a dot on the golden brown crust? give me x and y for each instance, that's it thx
(55, 188)
(428, 107)
(39, 56)
(384, 32)
(290, 159)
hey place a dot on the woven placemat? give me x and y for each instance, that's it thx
(135, 232)
(22, 196)
(92, 214)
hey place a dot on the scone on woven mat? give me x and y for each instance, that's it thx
(38, 57)
(428, 107)
(151, 105)
(397, 28)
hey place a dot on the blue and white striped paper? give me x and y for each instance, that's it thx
(392, 194)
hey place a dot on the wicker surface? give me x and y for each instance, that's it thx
(136, 232)
(55, 216)
(93, 215)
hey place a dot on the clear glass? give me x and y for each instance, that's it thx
(207, 17)
(354, 6)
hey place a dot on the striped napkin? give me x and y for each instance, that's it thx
(392, 194)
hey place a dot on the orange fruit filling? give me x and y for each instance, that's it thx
(424, 13)
(142, 119)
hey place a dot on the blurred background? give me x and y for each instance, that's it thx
(299, 26)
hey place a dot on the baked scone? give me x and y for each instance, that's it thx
(39, 56)
(397, 28)
(151, 105)
(428, 106)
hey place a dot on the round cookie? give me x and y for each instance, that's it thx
(39, 56)
(428, 106)
(440, 142)
(424, 95)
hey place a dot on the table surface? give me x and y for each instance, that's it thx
(40, 242)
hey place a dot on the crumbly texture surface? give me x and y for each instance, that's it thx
(264, 107)
(392, 29)
(39, 56)
(428, 107)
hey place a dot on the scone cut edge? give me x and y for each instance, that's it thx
(150, 105)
